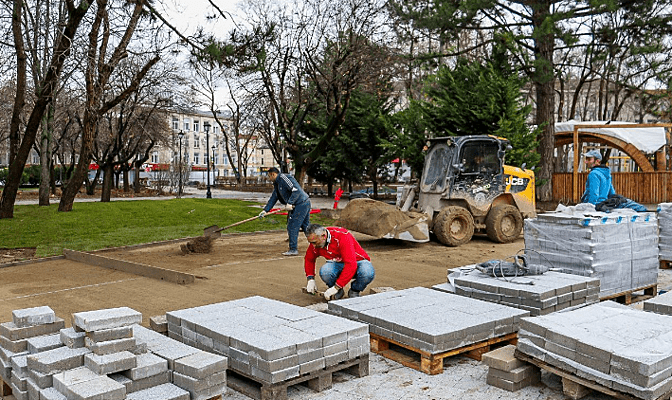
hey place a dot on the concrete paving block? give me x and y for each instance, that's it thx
(110, 346)
(51, 394)
(100, 388)
(110, 363)
(144, 383)
(33, 316)
(104, 335)
(335, 348)
(19, 381)
(64, 380)
(174, 352)
(33, 390)
(159, 323)
(147, 365)
(496, 381)
(336, 358)
(200, 365)
(19, 394)
(311, 366)
(15, 346)
(166, 391)
(270, 347)
(106, 319)
(516, 375)
(72, 338)
(502, 358)
(650, 393)
(275, 365)
(42, 381)
(43, 343)
(5, 370)
(209, 393)
(57, 360)
(239, 366)
(13, 332)
(310, 355)
(19, 365)
(275, 377)
(198, 385)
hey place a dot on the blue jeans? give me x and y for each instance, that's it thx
(331, 270)
(299, 218)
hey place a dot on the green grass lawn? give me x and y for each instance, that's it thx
(92, 226)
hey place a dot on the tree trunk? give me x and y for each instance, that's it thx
(544, 78)
(108, 178)
(61, 52)
(45, 156)
(127, 186)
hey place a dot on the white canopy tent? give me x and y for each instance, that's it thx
(648, 139)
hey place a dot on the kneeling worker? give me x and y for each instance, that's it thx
(346, 260)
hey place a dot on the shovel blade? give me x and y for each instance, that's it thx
(212, 231)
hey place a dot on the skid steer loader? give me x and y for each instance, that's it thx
(465, 188)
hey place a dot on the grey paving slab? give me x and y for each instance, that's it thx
(110, 363)
(106, 319)
(51, 394)
(110, 346)
(146, 365)
(200, 365)
(33, 316)
(43, 343)
(100, 388)
(72, 338)
(57, 360)
(166, 391)
(13, 332)
(421, 316)
(104, 335)
(63, 380)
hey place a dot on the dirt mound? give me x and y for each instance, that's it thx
(380, 219)
(202, 244)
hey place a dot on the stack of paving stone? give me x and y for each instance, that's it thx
(507, 372)
(538, 294)
(661, 304)
(38, 325)
(618, 347)
(268, 340)
(665, 231)
(100, 357)
(621, 250)
(430, 320)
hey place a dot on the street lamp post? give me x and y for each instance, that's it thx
(206, 126)
(179, 187)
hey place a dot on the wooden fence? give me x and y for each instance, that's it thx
(642, 187)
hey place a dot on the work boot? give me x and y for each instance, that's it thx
(339, 294)
(353, 293)
(291, 253)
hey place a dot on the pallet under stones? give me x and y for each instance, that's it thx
(316, 380)
(432, 364)
(576, 387)
(5, 389)
(627, 296)
(665, 264)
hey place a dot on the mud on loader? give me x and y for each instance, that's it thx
(465, 188)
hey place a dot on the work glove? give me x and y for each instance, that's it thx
(262, 213)
(311, 287)
(329, 293)
(289, 207)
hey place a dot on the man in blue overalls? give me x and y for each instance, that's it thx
(287, 190)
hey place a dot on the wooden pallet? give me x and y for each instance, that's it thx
(5, 389)
(428, 363)
(665, 264)
(316, 380)
(627, 297)
(576, 387)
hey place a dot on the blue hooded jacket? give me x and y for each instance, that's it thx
(598, 185)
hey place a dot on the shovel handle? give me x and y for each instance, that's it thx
(246, 220)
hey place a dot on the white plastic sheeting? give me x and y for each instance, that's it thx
(648, 140)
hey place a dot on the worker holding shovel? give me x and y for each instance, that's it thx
(288, 191)
(346, 261)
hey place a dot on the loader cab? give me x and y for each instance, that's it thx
(465, 167)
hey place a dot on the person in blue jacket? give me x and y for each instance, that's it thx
(598, 184)
(288, 191)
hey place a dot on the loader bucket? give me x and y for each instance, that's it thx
(382, 220)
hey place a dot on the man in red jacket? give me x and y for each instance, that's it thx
(346, 261)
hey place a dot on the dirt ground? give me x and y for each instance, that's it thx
(240, 265)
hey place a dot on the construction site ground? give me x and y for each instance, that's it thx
(242, 265)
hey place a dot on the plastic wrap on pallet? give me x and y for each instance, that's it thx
(613, 345)
(619, 248)
(665, 231)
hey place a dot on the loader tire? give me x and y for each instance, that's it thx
(504, 223)
(454, 226)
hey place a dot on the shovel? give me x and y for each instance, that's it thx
(214, 231)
